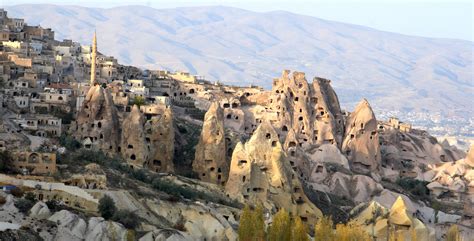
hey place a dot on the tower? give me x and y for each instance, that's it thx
(93, 59)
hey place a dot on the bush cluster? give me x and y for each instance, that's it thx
(415, 187)
(108, 211)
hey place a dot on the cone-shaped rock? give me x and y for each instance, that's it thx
(97, 124)
(361, 142)
(260, 173)
(133, 145)
(210, 157)
(159, 133)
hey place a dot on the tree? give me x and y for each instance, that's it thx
(351, 232)
(453, 233)
(299, 231)
(107, 207)
(259, 223)
(246, 225)
(323, 229)
(252, 224)
(138, 100)
(280, 230)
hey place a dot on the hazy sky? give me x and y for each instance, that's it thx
(430, 18)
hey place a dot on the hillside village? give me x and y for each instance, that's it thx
(186, 154)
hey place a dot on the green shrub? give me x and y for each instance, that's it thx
(69, 142)
(31, 196)
(129, 219)
(415, 187)
(24, 205)
(107, 207)
(54, 205)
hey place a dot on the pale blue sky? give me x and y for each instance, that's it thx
(429, 18)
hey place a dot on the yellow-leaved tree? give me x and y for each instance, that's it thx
(453, 233)
(246, 226)
(259, 224)
(280, 230)
(351, 232)
(323, 229)
(299, 231)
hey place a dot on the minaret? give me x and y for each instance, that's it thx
(93, 59)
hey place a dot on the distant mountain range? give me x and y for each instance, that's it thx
(393, 71)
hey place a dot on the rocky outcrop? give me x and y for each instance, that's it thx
(134, 147)
(361, 142)
(210, 158)
(312, 111)
(97, 124)
(98, 229)
(166, 235)
(40, 211)
(453, 182)
(261, 173)
(383, 223)
(149, 142)
(159, 136)
(93, 178)
(72, 227)
(409, 154)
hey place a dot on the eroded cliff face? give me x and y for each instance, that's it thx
(397, 221)
(454, 182)
(210, 158)
(261, 173)
(159, 136)
(410, 154)
(361, 141)
(97, 124)
(133, 146)
(149, 143)
(312, 111)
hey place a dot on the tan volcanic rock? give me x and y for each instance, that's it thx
(378, 219)
(470, 157)
(210, 158)
(398, 213)
(410, 153)
(361, 143)
(97, 122)
(159, 135)
(260, 173)
(453, 181)
(311, 110)
(134, 147)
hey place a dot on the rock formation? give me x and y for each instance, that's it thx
(97, 124)
(210, 158)
(382, 222)
(134, 148)
(159, 136)
(311, 110)
(361, 143)
(261, 173)
(149, 143)
(93, 178)
(454, 182)
(40, 210)
(408, 154)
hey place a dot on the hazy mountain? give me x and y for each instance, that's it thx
(393, 71)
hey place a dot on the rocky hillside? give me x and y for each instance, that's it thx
(244, 47)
